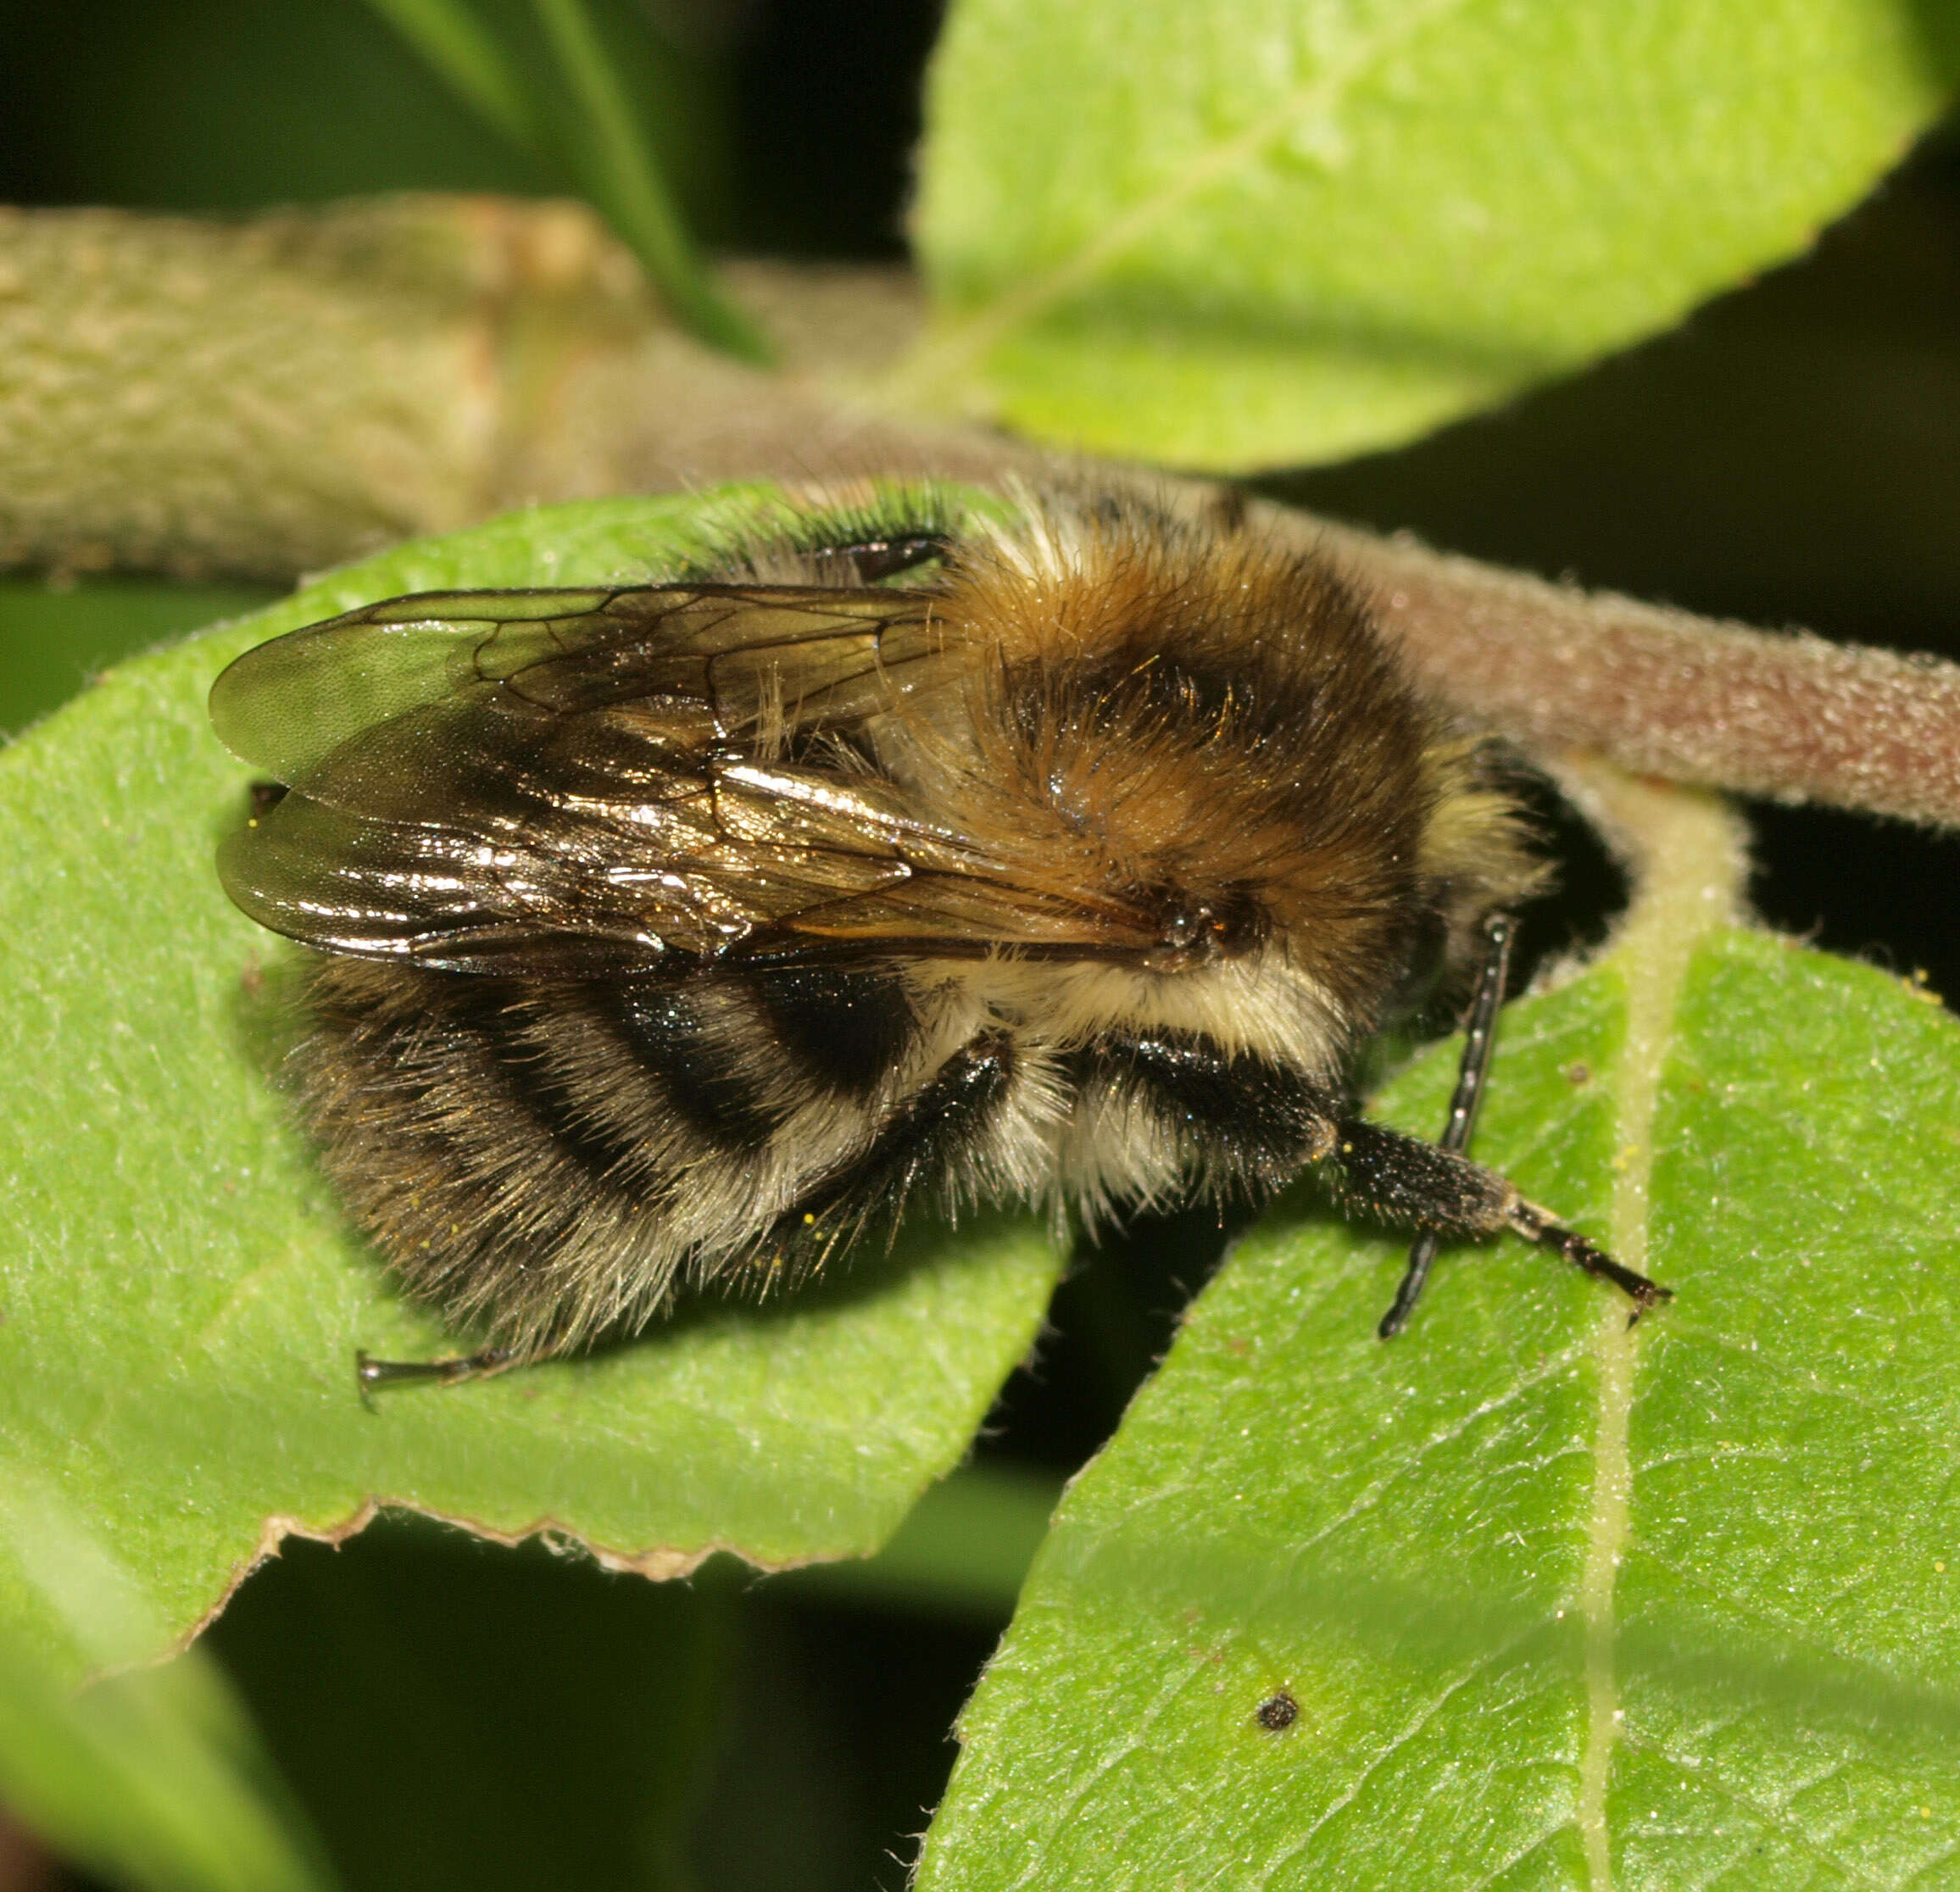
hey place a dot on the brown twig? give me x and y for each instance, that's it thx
(1785, 716)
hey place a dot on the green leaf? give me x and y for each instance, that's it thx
(181, 1302)
(1554, 1604)
(1255, 233)
(964, 1551)
(54, 636)
(154, 1777)
(620, 169)
(465, 54)
(610, 150)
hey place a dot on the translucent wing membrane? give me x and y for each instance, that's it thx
(445, 895)
(580, 783)
(290, 704)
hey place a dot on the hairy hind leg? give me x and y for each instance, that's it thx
(1401, 1179)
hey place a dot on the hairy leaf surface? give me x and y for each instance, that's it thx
(1528, 1599)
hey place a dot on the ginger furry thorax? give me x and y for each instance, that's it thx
(1143, 710)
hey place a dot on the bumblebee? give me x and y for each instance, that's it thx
(1056, 850)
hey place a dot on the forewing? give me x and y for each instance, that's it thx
(718, 651)
(600, 894)
(552, 783)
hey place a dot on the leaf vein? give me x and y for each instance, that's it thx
(1488, 1659)
(1777, 1817)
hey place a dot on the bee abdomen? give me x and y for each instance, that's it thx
(845, 1028)
(712, 1064)
(546, 1160)
(694, 1067)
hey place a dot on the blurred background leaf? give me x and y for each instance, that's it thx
(587, 88)
(152, 1776)
(1253, 235)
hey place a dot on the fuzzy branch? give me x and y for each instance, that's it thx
(273, 396)
(1782, 714)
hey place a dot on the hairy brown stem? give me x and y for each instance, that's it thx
(1785, 716)
(275, 395)
(267, 397)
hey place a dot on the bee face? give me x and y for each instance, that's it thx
(668, 934)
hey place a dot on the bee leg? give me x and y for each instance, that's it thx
(1480, 1029)
(371, 1375)
(1402, 1179)
(1548, 1231)
(919, 1139)
(875, 560)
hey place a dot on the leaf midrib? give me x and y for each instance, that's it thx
(1693, 851)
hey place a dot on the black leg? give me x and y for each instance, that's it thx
(1402, 1179)
(1548, 1231)
(371, 1375)
(918, 1139)
(879, 559)
(1481, 1028)
(1248, 1124)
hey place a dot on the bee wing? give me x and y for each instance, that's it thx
(602, 887)
(558, 784)
(290, 706)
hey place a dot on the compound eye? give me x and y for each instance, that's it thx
(1205, 930)
(1238, 924)
(1182, 926)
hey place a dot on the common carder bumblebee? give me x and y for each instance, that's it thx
(1058, 850)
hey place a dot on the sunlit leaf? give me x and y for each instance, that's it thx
(1257, 233)
(1524, 1599)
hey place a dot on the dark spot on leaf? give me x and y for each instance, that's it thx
(1277, 1713)
(1578, 1072)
